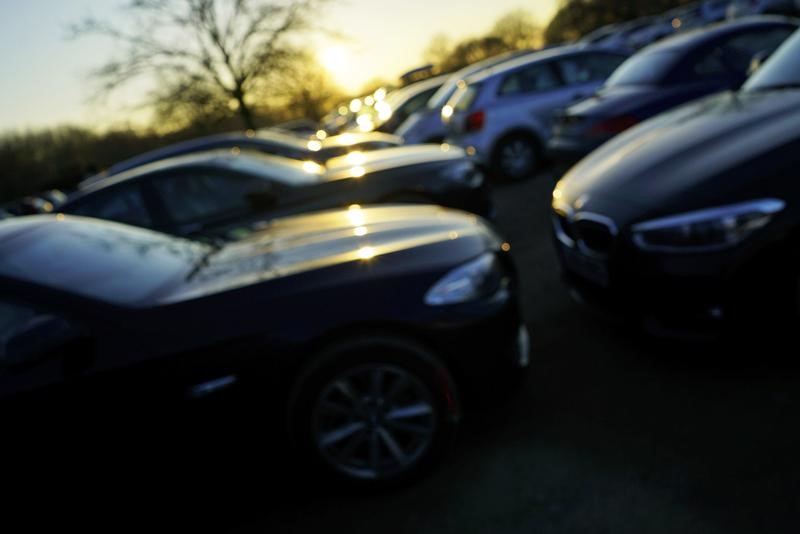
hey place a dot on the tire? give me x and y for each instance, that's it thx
(516, 157)
(375, 412)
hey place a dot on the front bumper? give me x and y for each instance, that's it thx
(667, 300)
(488, 354)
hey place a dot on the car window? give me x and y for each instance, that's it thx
(739, 51)
(586, 68)
(711, 64)
(782, 69)
(465, 96)
(535, 78)
(207, 196)
(417, 102)
(121, 203)
(650, 68)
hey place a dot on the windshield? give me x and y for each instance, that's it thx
(443, 94)
(644, 69)
(463, 98)
(108, 262)
(781, 70)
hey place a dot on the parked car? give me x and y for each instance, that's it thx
(425, 125)
(265, 141)
(399, 105)
(225, 194)
(363, 342)
(691, 220)
(665, 75)
(505, 113)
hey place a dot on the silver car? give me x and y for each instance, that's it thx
(425, 125)
(504, 115)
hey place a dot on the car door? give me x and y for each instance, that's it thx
(213, 202)
(41, 351)
(529, 96)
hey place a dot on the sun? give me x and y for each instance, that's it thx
(334, 58)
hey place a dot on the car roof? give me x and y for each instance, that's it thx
(700, 36)
(534, 57)
(290, 171)
(206, 142)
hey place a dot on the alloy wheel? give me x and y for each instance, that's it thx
(374, 421)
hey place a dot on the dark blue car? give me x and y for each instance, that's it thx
(665, 75)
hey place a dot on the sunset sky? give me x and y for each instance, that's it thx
(43, 75)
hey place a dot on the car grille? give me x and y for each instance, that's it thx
(589, 232)
(596, 236)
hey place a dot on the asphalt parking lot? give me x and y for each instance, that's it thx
(611, 433)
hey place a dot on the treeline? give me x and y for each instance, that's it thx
(33, 161)
(575, 18)
(516, 30)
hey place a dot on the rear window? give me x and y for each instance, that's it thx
(531, 79)
(464, 98)
(644, 69)
(587, 68)
(442, 95)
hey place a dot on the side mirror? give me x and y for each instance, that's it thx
(262, 200)
(757, 61)
(37, 339)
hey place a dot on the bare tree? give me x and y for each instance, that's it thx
(207, 55)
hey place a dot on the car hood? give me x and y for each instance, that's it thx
(356, 236)
(623, 100)
(358, 164)
(727, 147)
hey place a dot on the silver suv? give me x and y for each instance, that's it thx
(505, 114)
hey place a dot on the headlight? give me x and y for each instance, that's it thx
(706, 230)
(478, 278)
(465, 172)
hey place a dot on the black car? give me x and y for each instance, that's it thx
(362, 341)
(663, 76)
(265, 141)
(692, 220)
(225, 193)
